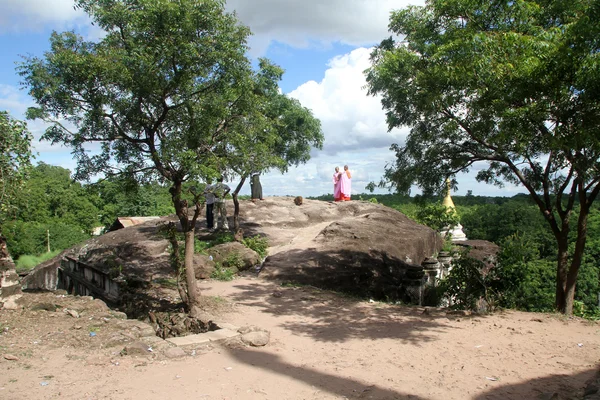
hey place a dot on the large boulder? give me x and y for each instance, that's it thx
(355, 247)
(234, 255)
(204, 266)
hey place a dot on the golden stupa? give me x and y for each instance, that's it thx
(455, 232)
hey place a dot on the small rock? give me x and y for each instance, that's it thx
(591, 389)
(44, 306)
(11, 357)
(248, 328)
(175, 352)
(12, 302)
(258, 338)
(72, 313)
(277, 294)
(136, 348)
(77, 327)
(119, 315)
(549, 396)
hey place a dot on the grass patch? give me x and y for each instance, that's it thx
(200, 246)
(257, 243)
(27, 262)
(222, 273)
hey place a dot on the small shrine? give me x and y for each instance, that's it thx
(456, 232)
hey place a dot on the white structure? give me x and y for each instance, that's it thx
(456, 232)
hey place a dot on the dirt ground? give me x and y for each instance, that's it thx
(322, 346)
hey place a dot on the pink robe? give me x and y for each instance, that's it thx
(337, 193)
(346, 185)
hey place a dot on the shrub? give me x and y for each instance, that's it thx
(27, 262)
(258, 244)
(468, 287)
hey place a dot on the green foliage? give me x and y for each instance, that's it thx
(485, 84)
(117, 197)
(50, 194)
(15, 162)
(257, 243)
(222, 273)
(27, 262)
(436, 216)
(467, 286)
(234, 262)
(32, 237)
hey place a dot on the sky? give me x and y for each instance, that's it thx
(323, 46)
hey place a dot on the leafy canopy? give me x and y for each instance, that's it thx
(507, 87)
(15, 161)
(154, 96)
(513, 84)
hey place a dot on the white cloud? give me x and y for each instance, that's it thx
(351, 120)
(316, 22)
(24, 15)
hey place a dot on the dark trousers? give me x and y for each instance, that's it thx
(210, 221)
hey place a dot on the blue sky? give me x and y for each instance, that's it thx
(324, 47)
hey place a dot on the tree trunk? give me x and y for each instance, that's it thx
(566, 278)
(189, 228)
(236, 204)
(561, 273)
(190, 275)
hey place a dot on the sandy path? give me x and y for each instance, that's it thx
(302, 238)
(326, 347)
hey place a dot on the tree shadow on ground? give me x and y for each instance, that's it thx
(321, 381)
(328, 317)
(561, 386)
(366, 273)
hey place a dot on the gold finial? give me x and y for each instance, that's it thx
(448, 200)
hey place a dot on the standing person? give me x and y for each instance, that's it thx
(220, 191)
(255, 186)
(337, 193)
(346, 184)
(210, 201)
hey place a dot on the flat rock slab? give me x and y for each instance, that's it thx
(200, 338)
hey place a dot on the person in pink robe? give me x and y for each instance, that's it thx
(346, 184)
(337, 194)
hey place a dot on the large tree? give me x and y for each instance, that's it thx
(509, 88)
(15, 163)
(155, 96)
(280, 134)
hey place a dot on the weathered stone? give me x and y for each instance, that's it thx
(136, 348)
(45, 306)
(72, 313)
(118, 315)
(226, 252)
(203, 266)
(9, 279)
(11, 357)
(12, 303)
(248, 328)
(174, 352)
(257, 338)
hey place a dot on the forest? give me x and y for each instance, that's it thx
(55, 212)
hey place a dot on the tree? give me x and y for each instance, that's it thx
(510, 87)
(280, 134)
(158, 94)
(15, 162)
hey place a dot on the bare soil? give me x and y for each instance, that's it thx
(322, 346)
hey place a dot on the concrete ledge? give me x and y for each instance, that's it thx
(212, 336)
